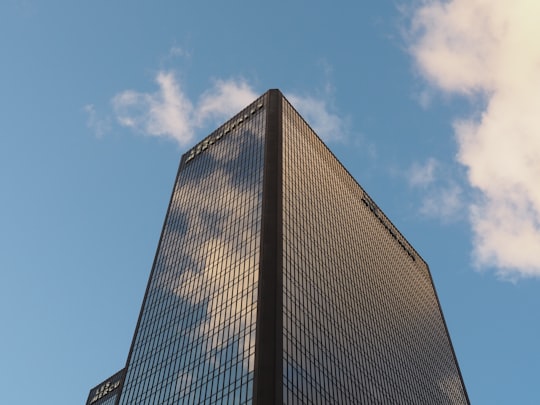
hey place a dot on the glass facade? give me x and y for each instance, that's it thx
(195, 340)
(361, 321)
(278, 280)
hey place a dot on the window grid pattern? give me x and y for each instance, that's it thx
(110, 400)
(196, 339)
(361, 322)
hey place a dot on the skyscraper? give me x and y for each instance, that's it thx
(277, 279)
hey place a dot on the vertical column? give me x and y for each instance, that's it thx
(268, 385)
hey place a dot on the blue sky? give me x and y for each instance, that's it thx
(431, 106)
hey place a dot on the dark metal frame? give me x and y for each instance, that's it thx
(268, 380)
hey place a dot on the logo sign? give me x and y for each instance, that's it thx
(104, 390)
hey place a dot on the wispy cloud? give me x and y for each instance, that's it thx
(442, 197)
(99, 125)
(443, 202)
(490, 50)
(424, 98)
(177, 51)
(169, 112)
(321, 117)
(224, 99)
(422, 174)
(318, 109)
(166, 113)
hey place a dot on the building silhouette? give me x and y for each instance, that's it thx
(277, 279)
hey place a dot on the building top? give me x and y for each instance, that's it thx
(102, 392)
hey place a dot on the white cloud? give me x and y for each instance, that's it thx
(491, 49)
(328, 125)
(225, 99)
(168, 112)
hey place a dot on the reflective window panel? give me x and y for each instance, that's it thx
(361, 321)
(195, 340)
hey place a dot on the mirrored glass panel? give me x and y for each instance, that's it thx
(195, 342)
(361, 321)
